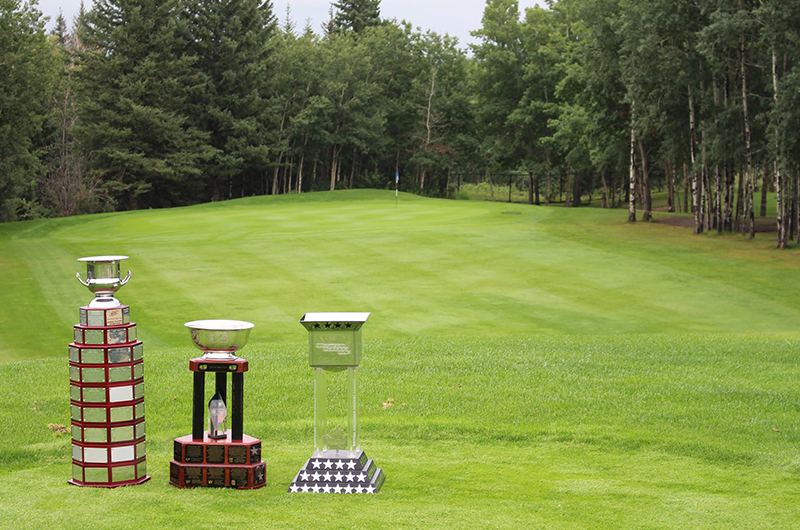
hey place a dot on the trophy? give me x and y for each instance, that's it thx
(218, 456)
(106, 385)
(338, 465)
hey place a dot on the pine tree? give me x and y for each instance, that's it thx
(356, 15)
(232, 42)
(131, 81)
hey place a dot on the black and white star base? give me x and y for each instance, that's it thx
(338, 472)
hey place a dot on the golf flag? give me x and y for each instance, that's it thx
(396, 186)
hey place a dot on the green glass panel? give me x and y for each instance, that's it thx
(77, 335)
(75, 392)
(119, 373)
(94, 375)
(96, 435)
(96, 318)
(74, 373)
(138, 391)
(132, 333)
(119, 355)
(141, 469)
(94, 395)
(76, 433)
(138, 370)
(139, 430)
(119, 474)
(77, 453)
(92, 356)
(140, 450)
(77, 472)
(140, 411)
(93, 336)
(73, 355)
(94, 415)
(126, 315)
(122, 434)
(137, 352)
(96, 474)
(75, 412)
(121, 414)
(83, 317)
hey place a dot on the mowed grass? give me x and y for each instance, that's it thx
(427, 268)
(550, 368)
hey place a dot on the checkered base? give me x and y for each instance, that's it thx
(341, 472)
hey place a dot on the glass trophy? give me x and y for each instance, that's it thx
(338, 465)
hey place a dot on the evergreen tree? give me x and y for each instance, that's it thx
(232, 42)
(132, 81)
(356, 15)
(27, 72)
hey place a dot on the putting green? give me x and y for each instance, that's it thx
(547, 368)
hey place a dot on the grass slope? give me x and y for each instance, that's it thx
(429, 267)
(549, 368)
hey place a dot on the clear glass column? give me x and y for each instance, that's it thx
(335, 409)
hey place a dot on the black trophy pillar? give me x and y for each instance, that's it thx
(198, 405)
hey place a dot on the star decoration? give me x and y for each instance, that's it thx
(359, 489)
(254, 450)
(328, 464)
(315, 489)
(259, 475)
(351, 464)
(304, 475)
(305, 489)
(370, 489)
(327, 476)
(337, 489)
(339, 465)
(316, 464)
(326, 489)
(338, 477)
(315, 477)
(350, 477)
(348, 489)
(316, 326)
(293, 488)
(361, 477)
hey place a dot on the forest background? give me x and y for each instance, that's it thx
(148, 104)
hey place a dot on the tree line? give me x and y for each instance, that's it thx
(152, 104)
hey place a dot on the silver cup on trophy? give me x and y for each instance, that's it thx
(103, 279)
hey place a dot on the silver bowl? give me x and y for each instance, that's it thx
(219, 339)
(103, 279)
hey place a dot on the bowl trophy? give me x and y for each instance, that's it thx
(103, 279)
(218, 456)
(338, 464)
(106, 369)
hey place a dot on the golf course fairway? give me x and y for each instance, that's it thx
(524, 367)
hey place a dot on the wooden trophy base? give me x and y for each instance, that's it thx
(217, 463)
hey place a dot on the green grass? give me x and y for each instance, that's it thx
(551, 367)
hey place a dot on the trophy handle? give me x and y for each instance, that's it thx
(78, 275)
(128, 277)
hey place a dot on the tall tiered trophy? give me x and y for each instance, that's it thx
(218, 456)
(106, 385)
(338, 464)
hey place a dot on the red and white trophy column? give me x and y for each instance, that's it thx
(106, 385)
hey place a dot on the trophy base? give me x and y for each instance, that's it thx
(338, 472)
(217, 463)
(104, 302)
(109, 485)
